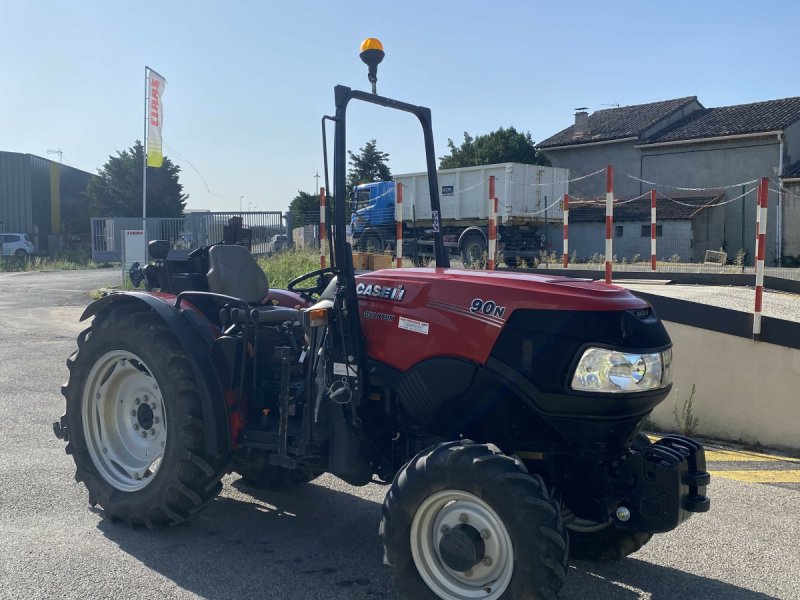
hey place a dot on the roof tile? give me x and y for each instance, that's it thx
(616, 123)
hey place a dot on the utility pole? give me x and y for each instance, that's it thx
(316, 186)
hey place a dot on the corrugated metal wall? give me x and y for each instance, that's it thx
(15, 193)
(43, 199)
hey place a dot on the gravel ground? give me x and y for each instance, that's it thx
(780, 305)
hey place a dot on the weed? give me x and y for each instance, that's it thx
(283, 267)
(685, 418)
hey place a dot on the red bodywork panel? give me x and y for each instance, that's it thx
(436, 315)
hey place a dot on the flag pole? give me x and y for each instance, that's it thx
(144, 158)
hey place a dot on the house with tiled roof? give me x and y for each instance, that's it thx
(677, 146)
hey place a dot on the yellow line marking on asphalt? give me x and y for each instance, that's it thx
(738, 455)
(756, 476)
(733, 456)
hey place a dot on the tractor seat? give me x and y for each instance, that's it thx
(234, 272)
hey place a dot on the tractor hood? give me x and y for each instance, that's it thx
(409, 315)
(515, 290)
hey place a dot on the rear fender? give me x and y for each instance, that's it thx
(197, 342)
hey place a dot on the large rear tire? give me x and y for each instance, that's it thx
(461, 493)
(134, 424)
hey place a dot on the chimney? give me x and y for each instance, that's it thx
(581, 122)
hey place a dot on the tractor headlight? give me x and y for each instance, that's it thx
(611, 371)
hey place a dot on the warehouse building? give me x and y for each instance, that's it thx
(45, 200)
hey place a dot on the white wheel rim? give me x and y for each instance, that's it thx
(488, 579)
(124, 420)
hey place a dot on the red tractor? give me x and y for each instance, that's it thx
(504, 410)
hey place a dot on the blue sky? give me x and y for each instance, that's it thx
(249, 81)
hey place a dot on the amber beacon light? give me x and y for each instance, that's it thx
(372, 54)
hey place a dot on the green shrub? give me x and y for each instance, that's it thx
(283, 267)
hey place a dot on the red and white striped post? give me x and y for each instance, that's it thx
(566, 230)
(323, 242)
(398, 217)
(761, 211)
(652, 230)
(492, 230)
(758, 223)
(609, 219)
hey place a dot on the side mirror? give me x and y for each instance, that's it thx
(158, 249)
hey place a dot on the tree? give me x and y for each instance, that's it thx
(370, 165)
(305, 209)
(117, 192)
(503, 145)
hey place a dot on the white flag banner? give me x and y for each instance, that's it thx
(155, 119)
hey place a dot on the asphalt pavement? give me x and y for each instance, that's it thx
(318, 541)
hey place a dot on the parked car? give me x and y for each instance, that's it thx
(16, 244)
(278, 243)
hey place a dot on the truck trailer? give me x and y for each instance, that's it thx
(529, 211)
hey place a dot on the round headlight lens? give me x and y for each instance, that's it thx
(604, 370)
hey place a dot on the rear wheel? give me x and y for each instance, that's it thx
(21, 254)
(473, 251)
(464, 521)
(134, 424)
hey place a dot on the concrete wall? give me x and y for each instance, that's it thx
(745, 390)
(589, 238)
(719, 164)
(582, 160)
(791, 220)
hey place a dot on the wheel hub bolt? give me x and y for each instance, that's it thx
(144, 434)
(155, 419)
(623, 514)
(485, 535)
(444, 529)
(153, 406)
(153, 432)
(136, 427)
(138, 401)
(133, 413)
(487, 560)
(463, 518)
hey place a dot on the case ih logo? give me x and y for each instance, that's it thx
(373, 290)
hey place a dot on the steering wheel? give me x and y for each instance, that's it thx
(308, 292)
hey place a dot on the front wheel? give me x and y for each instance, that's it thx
(134, 424)
(462, 521)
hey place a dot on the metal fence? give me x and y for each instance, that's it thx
(195, 230)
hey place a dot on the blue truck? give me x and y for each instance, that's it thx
(529, 213)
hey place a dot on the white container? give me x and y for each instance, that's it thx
(523, 193)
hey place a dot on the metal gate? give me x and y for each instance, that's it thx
(195, 230)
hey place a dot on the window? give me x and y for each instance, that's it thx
(646, 231)
(618, 230)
